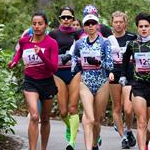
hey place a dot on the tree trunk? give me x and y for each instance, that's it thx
(43, 3)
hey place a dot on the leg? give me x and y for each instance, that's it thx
(62, 96)
(73, 108)
(128, 109)
(45, 122)
(100, 104)
(148, 130)
(115, 91)
(127, 106)
(32, 100)
(88, 115)
(140, 109)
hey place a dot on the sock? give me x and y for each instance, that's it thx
(66, 121)
(74, 124)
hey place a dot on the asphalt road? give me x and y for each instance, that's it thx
(110, 138)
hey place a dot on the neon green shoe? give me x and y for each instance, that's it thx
(68, 134)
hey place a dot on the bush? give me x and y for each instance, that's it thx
(9, 93)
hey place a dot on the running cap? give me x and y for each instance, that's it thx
(90, 9)
(90, 17)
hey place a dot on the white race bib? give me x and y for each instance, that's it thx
(85, 54)
(30, 57)
(142, 61)
(117, 53)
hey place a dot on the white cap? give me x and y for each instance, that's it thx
(90, 17)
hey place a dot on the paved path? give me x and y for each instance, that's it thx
(110, 138)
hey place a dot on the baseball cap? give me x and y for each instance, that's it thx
(90, 17)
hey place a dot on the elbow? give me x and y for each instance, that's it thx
(52, 68)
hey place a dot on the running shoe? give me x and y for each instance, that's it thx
(95, 148)
(68, 134)
(125, 144)
(99, 141)
(69, 147)
(131, 138)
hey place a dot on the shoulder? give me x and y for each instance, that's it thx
(78, 42)
(50, 39)
(105, 30)
(54, 32)
(24, 39)
(131, 35)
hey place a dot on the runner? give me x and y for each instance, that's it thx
(140, 92)
(95, 54)
(77, 24)
(121, 93)
(103, 31)
(40, 56)
(68, 83)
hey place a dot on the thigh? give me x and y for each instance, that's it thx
(32, 101)
(139, 107)
(62, 95)
(126, 97)
(74, 90)
(115, 92)
(87, 100)
(148, 118)
(100, 101)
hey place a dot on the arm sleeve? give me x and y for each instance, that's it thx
(51, 61)
(126, 59)
(18, 54)
(105, 30)
(75, 56)
(106, 59)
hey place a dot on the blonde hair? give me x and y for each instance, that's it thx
(119, 14)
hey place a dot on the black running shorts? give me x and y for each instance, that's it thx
(46, 88)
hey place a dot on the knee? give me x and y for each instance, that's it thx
(44, 121)
(63, 113)
(141, 124)
(128, 111)
(35, 118)
(117, 110)
(73, 109)
(88, 121)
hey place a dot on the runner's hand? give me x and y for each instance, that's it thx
(11, 64)
(65, 59)
(93, 61)
(37, 49)
(123, 81)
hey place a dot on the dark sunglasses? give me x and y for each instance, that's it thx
(66, 17)
(93, 22)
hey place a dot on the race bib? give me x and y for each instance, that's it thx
(30, 57)
(117, 53)
(84, 62)
(142, 62)
(61, 65)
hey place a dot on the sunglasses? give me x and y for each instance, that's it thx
(66, 17)
(88, 23)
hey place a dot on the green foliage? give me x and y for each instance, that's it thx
(8, 94)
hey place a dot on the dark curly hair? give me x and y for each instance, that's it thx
(142, 16)
(67, 8)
